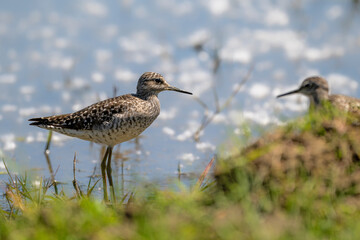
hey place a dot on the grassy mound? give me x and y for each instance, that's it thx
(305, 175)
(300, 181)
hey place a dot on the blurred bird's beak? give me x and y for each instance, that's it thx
(289, 93)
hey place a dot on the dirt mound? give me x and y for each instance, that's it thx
(322, 150)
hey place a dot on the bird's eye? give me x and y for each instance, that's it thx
(158, 80)
(308, 85)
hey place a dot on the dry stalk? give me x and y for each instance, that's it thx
(208, 118)
(205, 172)
(75, 184)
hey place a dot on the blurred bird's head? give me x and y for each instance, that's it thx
(312, 86)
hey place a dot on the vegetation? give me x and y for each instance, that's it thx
(300, 181)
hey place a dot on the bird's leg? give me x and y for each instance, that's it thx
(108, 171)
(103, 166)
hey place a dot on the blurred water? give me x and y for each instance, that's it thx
(59, 56)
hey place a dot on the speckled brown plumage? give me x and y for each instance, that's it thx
(114, 120)
(108, 122)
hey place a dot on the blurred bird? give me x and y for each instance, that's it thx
(317, 90)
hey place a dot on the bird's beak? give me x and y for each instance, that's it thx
(171, 88)
(289, 93)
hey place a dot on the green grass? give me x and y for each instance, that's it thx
(300, 181)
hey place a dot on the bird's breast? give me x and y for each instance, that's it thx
(126, 126)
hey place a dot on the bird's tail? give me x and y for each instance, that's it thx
(40, 121)
(47, 122)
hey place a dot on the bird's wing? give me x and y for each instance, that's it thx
(91, 116)
(346, 103)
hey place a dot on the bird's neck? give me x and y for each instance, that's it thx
(145, 95)
(318, 97)
(152, 98)
(153, 102)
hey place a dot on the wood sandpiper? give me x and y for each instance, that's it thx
(317, 90)
(114, 120)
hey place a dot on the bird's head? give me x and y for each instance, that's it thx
(310, 86)
(154, 83)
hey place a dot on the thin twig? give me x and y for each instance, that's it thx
(114, 91)
(47, 156)
(238, 88)
(203, 104)
(89, 188)
(179, 171)
(216, 61)
(89, 183)
(216, 65)
(219, 108)
(75, 184)
(52, 175)
(48, 142)
(216, 99)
